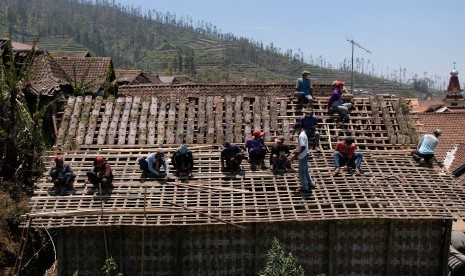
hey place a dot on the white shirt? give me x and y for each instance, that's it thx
(302, 142)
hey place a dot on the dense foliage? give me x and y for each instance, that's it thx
(172, 45)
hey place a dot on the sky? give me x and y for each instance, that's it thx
(421, 35)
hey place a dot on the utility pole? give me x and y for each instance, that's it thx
(352, 74)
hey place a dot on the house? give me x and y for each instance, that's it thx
(395, 219)
(88, 74)
(131, 77)
(75, 54)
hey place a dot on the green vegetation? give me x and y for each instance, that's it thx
(279, 262)
(167, 44)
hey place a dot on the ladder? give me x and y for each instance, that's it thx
(22, 246)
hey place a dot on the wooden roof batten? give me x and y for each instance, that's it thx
(392, 186)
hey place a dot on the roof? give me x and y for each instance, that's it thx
(47, 77)
(125, 76)
(196, 89)
(392, 187)
(21, 47)
(77, 54)
(90, 72)
(452, 133)
(202, 117)
(426, 105)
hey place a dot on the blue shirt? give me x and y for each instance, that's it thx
(303, 85)
(254, 143)
(428, 144)
(230, 152)
(309, 123)
(155, 171)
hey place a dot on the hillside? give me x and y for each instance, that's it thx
(157, 42)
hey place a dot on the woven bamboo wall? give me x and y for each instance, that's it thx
(346, 247)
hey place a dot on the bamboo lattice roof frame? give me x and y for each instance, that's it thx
(392, 186)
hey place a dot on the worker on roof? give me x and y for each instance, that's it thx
(231, 157)
(345, 155)
(424, 154)
(280, 159)
(62, 176)
(256, 149)
(100, 176)
(310, 123)
(183, 161)
(301, 153)
(304, 90)
(335, 102)
(153, 162)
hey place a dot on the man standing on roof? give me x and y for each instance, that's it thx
(101, 174)
(302, 154)
(153, 162)
(335, 103)
(280, 156)
(310, 123)
(61, 175)
(345, 155)
(424, 154)
(304, 90)
(183, 161)
(256, 149)
(232, 155)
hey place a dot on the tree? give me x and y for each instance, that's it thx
(278, 262)
(13, 78)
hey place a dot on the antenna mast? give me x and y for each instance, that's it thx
(352, 74)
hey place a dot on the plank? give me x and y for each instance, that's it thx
(161, 121)
(142, 130)
(112, 131)
(104, 125)
(152, 120)
(210, 115)
(181, 115)
(219, 129)
(84, 120)
(134, 120)
(170, 139)
(201, 125)
(124, 121)
(93, 120)
(247, 119)
(238, 124)
(190, 121)
(229, 118)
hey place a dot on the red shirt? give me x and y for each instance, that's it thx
(346, 151)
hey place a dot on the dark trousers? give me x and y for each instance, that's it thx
(234, 162)
(62, 182)
(183, 163)
(95, 180)
(257, 156)
(143, 165)
(429, 158)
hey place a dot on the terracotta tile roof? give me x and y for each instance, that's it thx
(77, 54)
(276, 89)
(425, 105)
(87, 71)
(131, 77)
(452, 126)
(48, 77)
(21, 47)
(153, 77)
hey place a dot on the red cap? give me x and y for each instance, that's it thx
(258, 133)
(58, 158)
(99, 159)
(339, 83)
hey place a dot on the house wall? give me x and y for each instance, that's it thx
(349, 247)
